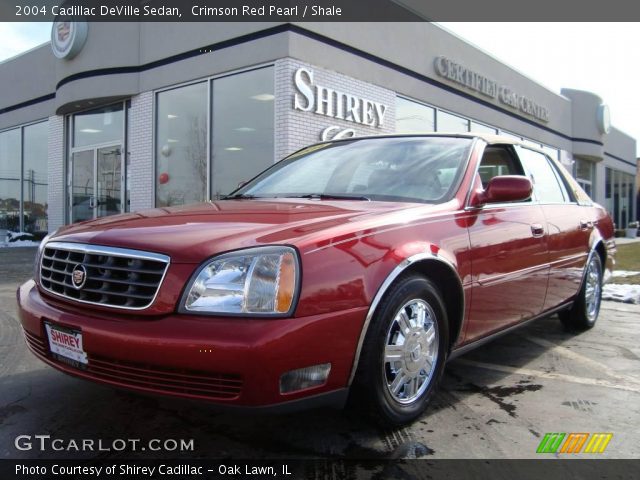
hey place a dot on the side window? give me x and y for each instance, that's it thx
(496, 161)
(547, 187)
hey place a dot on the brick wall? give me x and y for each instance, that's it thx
(295, 128)
(140, 154)
(55, 189)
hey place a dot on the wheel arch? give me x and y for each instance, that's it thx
(602, 251)
(443, 274)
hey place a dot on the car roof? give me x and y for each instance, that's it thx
(487, 137)
(491, 139)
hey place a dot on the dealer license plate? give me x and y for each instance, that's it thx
(66, 345)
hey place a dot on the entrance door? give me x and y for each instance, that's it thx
(96, 183)
(82, 186)
(108, 179)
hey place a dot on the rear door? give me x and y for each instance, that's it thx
(567, 223)
(508, 254)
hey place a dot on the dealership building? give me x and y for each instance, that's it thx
(119, 117)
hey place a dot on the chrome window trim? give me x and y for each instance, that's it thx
(113, 251)
(395, 273)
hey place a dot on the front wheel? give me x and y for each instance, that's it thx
(586, 307)
(404, 352)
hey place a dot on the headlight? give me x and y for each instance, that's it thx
(36, 267)
(260, 280)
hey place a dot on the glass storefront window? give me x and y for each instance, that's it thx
(608, 190)
(181, 145)
(620, 190)
(414, 117)
(23, 159)
(510, 135)
(584, 173)
(10, 179)
(447, 122)
(243, 110)
(35, 174)
(200, 157)
(98, 126)
(481, 128)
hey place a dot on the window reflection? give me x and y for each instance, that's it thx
(35, 177)
(619, 196)
(10, 180)
(413, 117)
(101, 125)
(481, 128)
(243, 113)
(181, 145)
(451, 123)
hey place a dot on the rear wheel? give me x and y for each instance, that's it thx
(586, 307)
(404, 352)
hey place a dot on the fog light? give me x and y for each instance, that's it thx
(304, 378)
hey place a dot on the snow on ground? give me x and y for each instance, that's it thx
(624, 273)
(624, 292)
(6, 235)
(20, 243)
(621, 293)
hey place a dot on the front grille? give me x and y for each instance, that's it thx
(200, 384)
(115, 277)
(37, 345)
(205, 385)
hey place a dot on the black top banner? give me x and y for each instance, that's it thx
(315, 10)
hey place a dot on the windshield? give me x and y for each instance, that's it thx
(409, 169)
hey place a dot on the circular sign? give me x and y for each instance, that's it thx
(604, 119)
(67, 38)
(78, 276)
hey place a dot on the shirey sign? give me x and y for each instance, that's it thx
(332, 103)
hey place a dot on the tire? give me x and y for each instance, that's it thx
(585, 309)
(402, 357)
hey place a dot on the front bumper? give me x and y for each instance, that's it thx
(229, 361)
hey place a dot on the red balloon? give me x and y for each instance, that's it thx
(163, 178)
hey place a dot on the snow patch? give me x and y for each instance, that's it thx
(19, 243)
(23, 239)
(624, 273)
(622, 293)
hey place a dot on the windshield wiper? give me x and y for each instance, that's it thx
(238, 196)
(330, 196)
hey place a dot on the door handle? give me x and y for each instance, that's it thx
(586, 225)
(537, 230)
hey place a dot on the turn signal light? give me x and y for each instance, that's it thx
(303, 378)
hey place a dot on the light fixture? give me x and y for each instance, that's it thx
(263, 97)
(233, 149)
(172, 116)
(90, 130)
(172, 140)
(245, 129)
(304, 378)
(166, 150)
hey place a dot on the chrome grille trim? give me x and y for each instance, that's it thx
(122, 278)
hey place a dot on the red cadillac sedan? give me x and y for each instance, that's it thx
(350, 269)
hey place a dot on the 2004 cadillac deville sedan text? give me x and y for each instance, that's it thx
(355, 267)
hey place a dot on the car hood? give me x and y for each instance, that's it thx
(189, 234)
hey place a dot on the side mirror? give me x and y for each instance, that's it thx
(506, 188)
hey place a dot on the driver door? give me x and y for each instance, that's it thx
(508, 254)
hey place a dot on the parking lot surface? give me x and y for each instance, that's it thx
(495, 402)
